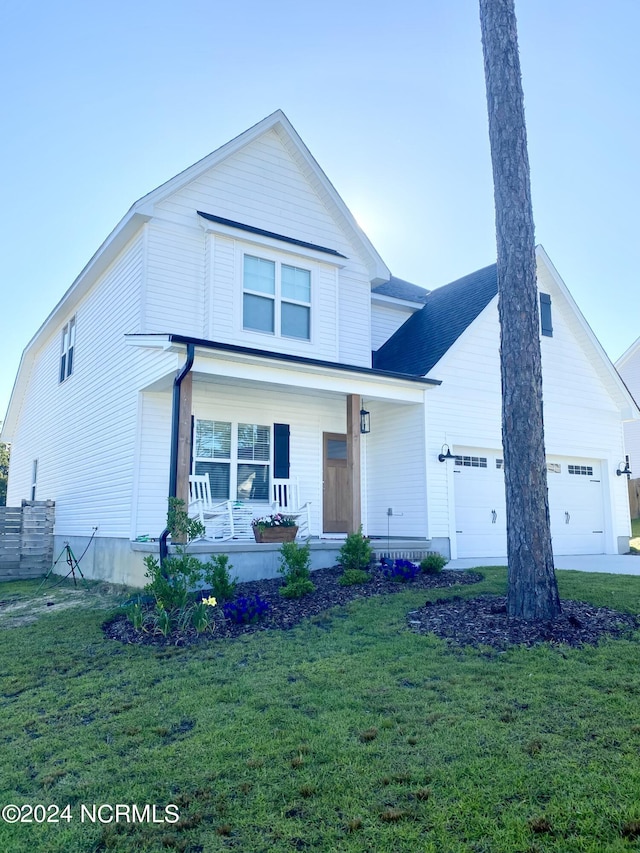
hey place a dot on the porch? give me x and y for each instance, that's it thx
(252, 561)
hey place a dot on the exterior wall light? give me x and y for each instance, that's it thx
(365, 421)
(442, 456)
(623, 468)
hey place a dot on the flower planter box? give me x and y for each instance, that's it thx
(275, 534)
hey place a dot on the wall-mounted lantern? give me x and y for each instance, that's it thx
(365, 421)
(442, 456)
(623, 468)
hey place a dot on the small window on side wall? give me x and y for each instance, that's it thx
(67, 349)
(546, 326)
(34, 479)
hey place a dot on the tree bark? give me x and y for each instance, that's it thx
(532, 588)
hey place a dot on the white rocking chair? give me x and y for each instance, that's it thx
(287, 500)
(217, 518)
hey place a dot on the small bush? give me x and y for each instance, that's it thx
(433, 564)
(356, 552)
(400, 571)
(216, 576)
(245, 609)
(354, 576)
(297, 588)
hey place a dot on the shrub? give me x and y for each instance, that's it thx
(356, 551)
(217, 578)
(353, 576)
(400, 571)
(297, 588)
(295, 567)
(433, 564)
(245, 609)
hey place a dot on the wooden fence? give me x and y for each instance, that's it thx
(634, 497)
(26, 539)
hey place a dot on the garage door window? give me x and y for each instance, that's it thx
(471, 461)
(581, 470)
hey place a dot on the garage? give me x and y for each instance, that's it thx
(576, 504)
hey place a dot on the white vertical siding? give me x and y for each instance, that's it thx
(394, 451)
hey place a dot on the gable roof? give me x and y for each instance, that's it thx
(427, 335)
(398, 288)
(143, 210)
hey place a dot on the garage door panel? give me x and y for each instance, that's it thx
(575, 502)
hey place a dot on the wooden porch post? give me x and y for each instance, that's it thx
(353, 461)
(184, 440)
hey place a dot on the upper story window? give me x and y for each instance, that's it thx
(546, 326)
(276, 298)
(68, 345)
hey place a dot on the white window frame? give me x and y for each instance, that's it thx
(67, 350)
(278, 299)
(34, 479)
(234, 460)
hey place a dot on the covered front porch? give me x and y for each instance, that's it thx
(248, 419)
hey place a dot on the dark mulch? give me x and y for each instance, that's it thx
(483, 621)
(284, 612)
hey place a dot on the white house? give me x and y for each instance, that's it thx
(628, 366)
(237, 321)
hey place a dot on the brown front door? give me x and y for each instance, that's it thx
(335, 501)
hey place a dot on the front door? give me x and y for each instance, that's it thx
(335, 500)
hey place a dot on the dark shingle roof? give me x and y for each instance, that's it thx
(426, 336)
(401, 289)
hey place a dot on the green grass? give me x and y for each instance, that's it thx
(347, 733)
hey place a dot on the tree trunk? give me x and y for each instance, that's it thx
(532, 588)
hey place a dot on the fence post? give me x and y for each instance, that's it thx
(634, 497)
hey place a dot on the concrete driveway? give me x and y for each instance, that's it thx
(615, 564)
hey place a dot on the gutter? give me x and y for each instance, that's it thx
(175, 424)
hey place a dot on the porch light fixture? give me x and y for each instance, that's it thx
(623, 468)
(365, 421)
(442, 456)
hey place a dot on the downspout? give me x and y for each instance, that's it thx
(175, 423)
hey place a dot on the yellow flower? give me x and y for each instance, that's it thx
(211, 601)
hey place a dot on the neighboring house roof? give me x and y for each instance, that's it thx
(398, 288)
(427, 335)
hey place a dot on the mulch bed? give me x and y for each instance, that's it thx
(480, 621)
(285, 613)
(483, 621)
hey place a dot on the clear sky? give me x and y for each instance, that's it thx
(102, 102)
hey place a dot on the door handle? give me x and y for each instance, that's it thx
(494, 516)
(567, 518)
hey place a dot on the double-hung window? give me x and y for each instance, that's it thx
(68, 345)
(276, 298)
(237, 458)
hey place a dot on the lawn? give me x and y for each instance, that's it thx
(347, 733)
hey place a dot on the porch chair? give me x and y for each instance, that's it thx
(287, 500)
(216, 517)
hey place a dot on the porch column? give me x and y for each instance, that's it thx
(184, 440)
(353, 462)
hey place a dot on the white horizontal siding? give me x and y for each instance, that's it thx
(175, 280)
(354, 320)
(260, 185)
(629, 370)
(385, 320)
(308, 417)
(394, 451)
(83, 431)
(580, 416)
(152, 487)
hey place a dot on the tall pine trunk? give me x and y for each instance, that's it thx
(532, 588)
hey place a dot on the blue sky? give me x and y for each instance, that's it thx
(101, 103)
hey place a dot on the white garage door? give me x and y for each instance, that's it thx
(575, 504)
(479, 503)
